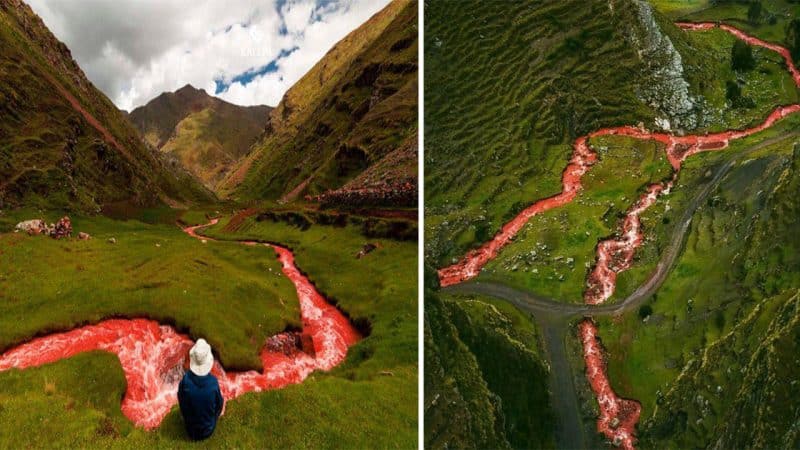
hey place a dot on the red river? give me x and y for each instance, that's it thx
(618, 416)
(153, 356)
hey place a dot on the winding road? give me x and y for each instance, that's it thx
(153, 356)
(618, 417)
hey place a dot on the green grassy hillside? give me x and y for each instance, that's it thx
(207, 135)
(369, 401)
(509, 86)
(153, 270)
(460, 411)
(63, 144)
(356, 107)
(510, 89)
(708, 363)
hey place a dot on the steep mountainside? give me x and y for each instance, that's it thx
(485, 380)
(206, 134)
(354, 110)
(63, 144)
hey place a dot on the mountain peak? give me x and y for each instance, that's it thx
(191, 90)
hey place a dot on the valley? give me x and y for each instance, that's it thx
(665, 236)
(309, 304)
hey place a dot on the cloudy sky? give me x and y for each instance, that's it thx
(247, 52)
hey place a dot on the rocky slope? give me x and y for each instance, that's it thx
(63, 144)
(485, 378)
(353, 111)
(206, 134)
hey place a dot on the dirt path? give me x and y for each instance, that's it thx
(153, 356)
(618, 417)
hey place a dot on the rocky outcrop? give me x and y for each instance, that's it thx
(391, 181)
(59, 230)
(367, 249)
(663, 84)
(402, 195)
(32, 227)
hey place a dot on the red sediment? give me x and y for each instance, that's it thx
(238, 219)
(678, 148)
(783, 51)
(153, 356)
(76, 105)
(472, 263)
(616, 255)
(618, 417)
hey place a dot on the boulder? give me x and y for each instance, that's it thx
(32, 227)
(307, 344)
(112, 240)
(83, 236)
(367, 248)
(62, 228)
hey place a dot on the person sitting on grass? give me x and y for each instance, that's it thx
(198, 393)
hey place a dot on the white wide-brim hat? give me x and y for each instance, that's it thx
(200, 358)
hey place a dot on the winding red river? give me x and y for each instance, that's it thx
(618, 417)
(153, 356)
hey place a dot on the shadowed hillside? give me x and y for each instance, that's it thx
(63, 144)
(485, 379)
(206, 134)
(354, 110)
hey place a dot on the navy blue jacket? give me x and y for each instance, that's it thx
(201, 404)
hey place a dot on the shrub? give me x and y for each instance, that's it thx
(483, 231)
(754, 13)
(742, 56)
(734, 94)
(793, 38)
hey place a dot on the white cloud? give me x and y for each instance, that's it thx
(135, 49)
